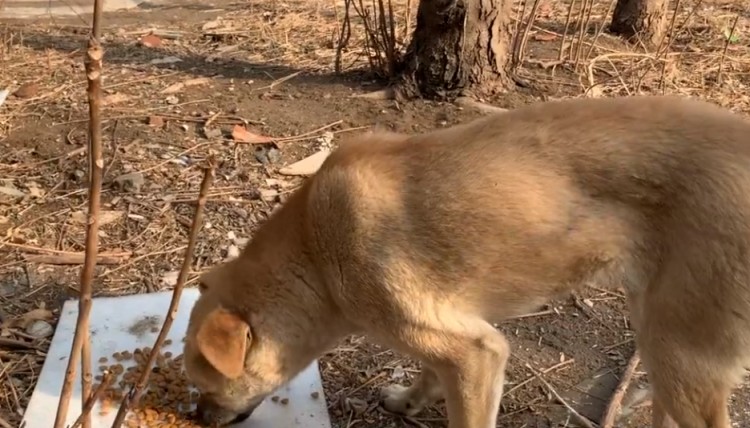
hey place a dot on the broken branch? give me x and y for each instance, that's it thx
(613, 408)
(134, 395)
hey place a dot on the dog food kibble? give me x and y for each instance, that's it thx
(275, 398)
(315, 395)
(285, 401)
(167, 400)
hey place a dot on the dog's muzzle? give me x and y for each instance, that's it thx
(207, 413)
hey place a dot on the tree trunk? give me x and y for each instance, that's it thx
(640, 20)
(459, 47)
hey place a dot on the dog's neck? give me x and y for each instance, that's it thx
(289, 294)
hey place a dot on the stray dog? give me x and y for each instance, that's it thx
(422, 242)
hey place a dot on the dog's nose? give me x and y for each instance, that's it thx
(242, 417)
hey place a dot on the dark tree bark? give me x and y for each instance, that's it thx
(459, 47)
(643, 20)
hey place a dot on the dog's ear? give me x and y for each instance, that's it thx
(222, 339)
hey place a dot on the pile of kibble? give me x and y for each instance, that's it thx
(168, 399)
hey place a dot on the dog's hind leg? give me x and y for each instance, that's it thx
(411, 400)
(689, 406)
(691, 380)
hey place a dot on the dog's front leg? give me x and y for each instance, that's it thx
(469, 357)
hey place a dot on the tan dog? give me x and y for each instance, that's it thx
(423, 242)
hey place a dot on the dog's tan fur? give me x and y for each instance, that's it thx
(423, 242)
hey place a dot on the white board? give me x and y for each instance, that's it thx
(111, 320)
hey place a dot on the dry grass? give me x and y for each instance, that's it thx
(263, 51)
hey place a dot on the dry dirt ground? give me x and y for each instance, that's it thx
(269, 65)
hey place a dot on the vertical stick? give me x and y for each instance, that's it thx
(600, 30)
(525, 36)
(669, 37)
(565, 31)
(89, 405)
(407, 24)
(726, 46)
(81, 339)
(134, 395)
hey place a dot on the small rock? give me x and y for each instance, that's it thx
(355, 405)
(172, 99)
(131, 182)
(315, 395)
(7, 289)
(78, 175)
(233, 252)
(266, 155)
(398, 373)
(241, 212)
(40, 329)
(212, 133)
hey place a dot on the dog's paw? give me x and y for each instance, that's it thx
(400, 399)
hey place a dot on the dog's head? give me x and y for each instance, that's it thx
(232, 356)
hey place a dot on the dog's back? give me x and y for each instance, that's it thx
(559, 190)
(496, 216)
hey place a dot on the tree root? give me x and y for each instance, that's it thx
(379, 95)
(482, 107)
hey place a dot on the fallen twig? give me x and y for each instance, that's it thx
(613, 408)
(545, 371)
(134, 395)
(533, 314)
(278, 81)
(579, 417)
(81, 339)
(15, 344)
(482, 107)
(76, 258)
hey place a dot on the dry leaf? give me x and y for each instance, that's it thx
(151, 41)
(177, 87)
(544, 37)
(307, 166)
(210, 25)
(26, 319)
(156, 121)
(115, 99)
(242, 135)
(27, 90)
(105, 217)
